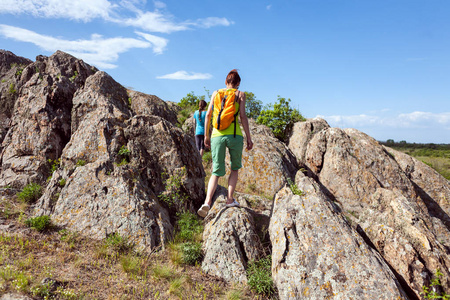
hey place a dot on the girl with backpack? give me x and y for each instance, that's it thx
(199, 117)
(228, 104)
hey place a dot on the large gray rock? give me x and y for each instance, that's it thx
(98, 191)
(11, 68)
(317, 255)
(383, 202)
(302, 133)
(40, 124)
(143, 104)
(432, 188)
(267, 167)
(11, 296)
(230, 240)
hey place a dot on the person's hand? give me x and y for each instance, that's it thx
(207, 142)
(249, 144)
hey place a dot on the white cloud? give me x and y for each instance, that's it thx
(211, 22)
(127, 13)
(83, 10)
(413, 120)
(98, 51)
(268, 7)
(159, 44)
(183, 75)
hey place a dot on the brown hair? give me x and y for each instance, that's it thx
(201, 105)
(233, 78)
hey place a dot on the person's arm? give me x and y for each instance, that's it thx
(244, 121)
(207, 141)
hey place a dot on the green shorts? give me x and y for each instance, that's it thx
(218, 148)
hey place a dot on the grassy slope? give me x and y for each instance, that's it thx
(90, 269)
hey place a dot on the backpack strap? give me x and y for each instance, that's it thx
(236, 114)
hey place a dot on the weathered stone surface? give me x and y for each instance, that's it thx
(40, 125)
(11, 296)
(302, 133)
(230, 240)
(431, 187)
(317, 255)
(383, 202)
(189, 126)
(102, 194)
(11, 67)
(143, 104)
(268, 165)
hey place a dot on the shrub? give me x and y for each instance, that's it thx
(260, 276)
(294, 188)
(173, 194)
(189, 227)
(118, 243)
(191, 252)
(39, 223)
(430, 291)
(81, 163)
(30, 193)
(207, 157)
(12, 89)
(280, 117)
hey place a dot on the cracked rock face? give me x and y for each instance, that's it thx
(317, 255)
(40, 124)
(395, 202)
(101, 194)
(230, 240)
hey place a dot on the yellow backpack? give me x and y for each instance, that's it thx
(225, 109)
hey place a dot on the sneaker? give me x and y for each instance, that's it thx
(203, 211)
(233, 204)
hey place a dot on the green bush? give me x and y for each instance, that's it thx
(188, 227)
(207, 157)
(280, 117)
(430, 293)
(30, 193)
(259, 276)
(294, 188)
(39, 223)
(191, 252)
(173, 194)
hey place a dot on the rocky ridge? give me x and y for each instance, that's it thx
(370, 223)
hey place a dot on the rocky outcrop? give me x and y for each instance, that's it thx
(382, 201)
(11, 68)
(230, 240)
(114, 167)
(372, 223)
(143, 104)
(268, 166)
(40, 124)
(317, 255)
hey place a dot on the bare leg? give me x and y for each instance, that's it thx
(212, 185)
(201, 152)
(232, 181)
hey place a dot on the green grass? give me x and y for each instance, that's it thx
(260, 276)
(30, 193)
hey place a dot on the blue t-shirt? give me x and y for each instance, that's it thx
(200, 128)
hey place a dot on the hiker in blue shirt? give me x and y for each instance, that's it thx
(199, 117)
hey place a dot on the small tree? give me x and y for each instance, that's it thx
(252, 106)
(280, 117)
(190, 101)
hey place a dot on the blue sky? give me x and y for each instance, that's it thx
(382, 67)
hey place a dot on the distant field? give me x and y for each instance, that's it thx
(436, 156)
